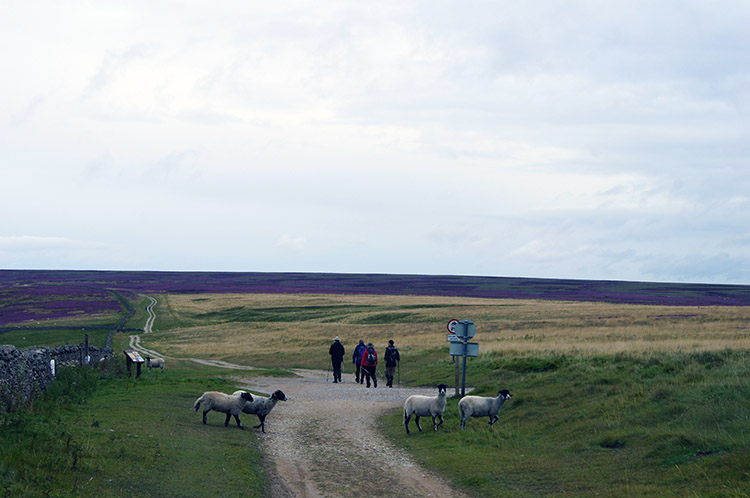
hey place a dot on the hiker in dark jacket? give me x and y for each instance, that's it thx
(337, 357)
(369, 364)
(357, 360)
(391, 361)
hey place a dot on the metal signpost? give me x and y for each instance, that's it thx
(451, 337)
(460, 346)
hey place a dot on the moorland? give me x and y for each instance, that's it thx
(619, 389)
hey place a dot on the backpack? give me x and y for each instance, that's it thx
(371, 359)
(391, 355)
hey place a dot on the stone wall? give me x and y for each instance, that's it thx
(26, 374)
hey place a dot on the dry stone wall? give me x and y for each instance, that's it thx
(26, 374)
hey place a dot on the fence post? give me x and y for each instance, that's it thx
(86, 357)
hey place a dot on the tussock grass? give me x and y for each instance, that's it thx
(257, 328)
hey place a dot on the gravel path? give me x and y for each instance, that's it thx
(323, 441)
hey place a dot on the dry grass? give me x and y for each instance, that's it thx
(269, 328)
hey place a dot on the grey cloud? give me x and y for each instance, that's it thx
(112, 64)
(28, 111)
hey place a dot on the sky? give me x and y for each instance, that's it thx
(556, 139)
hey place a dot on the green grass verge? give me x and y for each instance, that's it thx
(28, 338)
(640, 425)
(94, 434)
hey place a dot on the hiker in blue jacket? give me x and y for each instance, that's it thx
(359, 375)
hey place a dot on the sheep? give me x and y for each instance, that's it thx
(154, 362)
(224, 403)
(478, 406)
(425, 406)
(262, 407)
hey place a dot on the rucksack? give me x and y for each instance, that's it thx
(371, 359)
(391, 355)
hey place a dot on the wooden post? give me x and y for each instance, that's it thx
(86, 350)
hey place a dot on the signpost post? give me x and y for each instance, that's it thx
(451, 337)
(462, 331)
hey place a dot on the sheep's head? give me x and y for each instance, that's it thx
(504, 394)
(279, 395)
(442, 388)
(246, 396)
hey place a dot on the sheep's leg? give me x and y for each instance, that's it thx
(493, 419)
(439, 424)
(406, 422)
(416, 419)
(226, 422)
(237, 418)
(204, 416)
(262, 423)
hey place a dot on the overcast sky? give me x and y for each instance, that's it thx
(560, 139)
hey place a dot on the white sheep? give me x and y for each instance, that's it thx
(425, 406)
(262, 407)
(155, 363)
(478, 406)
(224, 403)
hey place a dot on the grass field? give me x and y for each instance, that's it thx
(644, 424)
(608, 400)
(99, 435)
(257, 328)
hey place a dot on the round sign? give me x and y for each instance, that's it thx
(452, 326)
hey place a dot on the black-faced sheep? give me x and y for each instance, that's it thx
(155, 363)
(425, 406)
(263, 406)
(478, 406)
(224, 403)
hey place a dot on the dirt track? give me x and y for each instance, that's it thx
(323, 440)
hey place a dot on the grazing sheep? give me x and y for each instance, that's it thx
(224, 403)
(155, 363)
(425, 406)
(478, 406)
(262, 407)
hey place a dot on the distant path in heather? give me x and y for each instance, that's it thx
(135, 343)
(323, 441)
